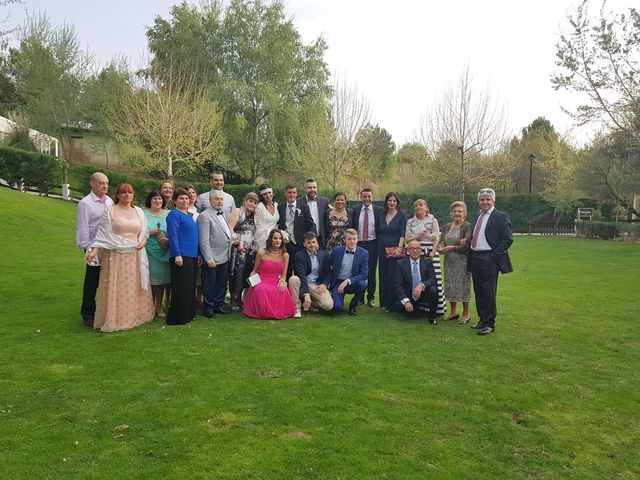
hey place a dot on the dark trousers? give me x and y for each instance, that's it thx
(183, 290)
(387, 274)
(91, 280)
(292, 249)
(357, 288)
(214, 286)
(429, 299)
(484, 272)
(371, 246)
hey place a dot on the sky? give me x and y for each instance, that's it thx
(401, 54)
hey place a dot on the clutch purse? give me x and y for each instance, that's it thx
(391, 252)
(254, 280)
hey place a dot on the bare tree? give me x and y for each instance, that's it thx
(350, 111)
(465, 121)
(600, 59)
(168, 122)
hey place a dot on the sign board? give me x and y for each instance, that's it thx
(585, 213)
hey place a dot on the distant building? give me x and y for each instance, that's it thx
(85, 145)
(43, 142)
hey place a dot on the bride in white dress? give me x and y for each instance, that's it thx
(266, 216)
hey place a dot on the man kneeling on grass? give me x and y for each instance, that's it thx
(312, 275)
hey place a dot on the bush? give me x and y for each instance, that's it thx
(608, 230)
(33, 168)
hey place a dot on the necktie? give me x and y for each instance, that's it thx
(291, 213)
(365, 224)
(476, 230)
(415, 274)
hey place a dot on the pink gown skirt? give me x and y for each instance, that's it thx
(265, 300)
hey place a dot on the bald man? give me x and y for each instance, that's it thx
(90, 211)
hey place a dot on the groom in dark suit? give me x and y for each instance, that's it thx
(488, 255)
(350, 271)
(296, 220)
(319, 208)
(365, 221)
(415, 284)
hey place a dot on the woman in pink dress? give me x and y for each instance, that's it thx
(270, 298)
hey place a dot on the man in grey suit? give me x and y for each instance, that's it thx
(215, 238)
(319, 208)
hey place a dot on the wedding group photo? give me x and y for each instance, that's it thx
(257, 239)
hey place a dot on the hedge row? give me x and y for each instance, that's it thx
(34, 169)
(608, 230)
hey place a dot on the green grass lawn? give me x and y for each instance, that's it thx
(554, 393)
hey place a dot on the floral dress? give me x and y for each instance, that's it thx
(337, 225)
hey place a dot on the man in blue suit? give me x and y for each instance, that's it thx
(350, 271)
(310, 283)
(488, 255)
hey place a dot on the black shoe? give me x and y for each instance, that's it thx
(477, 325)
(432, 320)
(222, 311)
(209, 314)
(352, 310)
(88, 322)
(486, 330)
(371, 303)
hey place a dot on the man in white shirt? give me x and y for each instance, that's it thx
(365, 221)
(217, 183)
(488, 255)
(319, 208)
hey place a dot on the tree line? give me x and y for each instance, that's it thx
(232, 85)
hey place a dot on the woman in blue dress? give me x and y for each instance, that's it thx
(183, 256)
(392, 222)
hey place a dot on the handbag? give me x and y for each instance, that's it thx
(391, 252)
(254, 280)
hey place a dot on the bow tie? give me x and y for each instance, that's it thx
(350, 252)
(220, 212)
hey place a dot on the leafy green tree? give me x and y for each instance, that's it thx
(268, 83)
(166, 125)
(50, 71)
(375, 147)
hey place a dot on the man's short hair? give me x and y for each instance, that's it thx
(213, 193)
(310, 180)
(351, 231)
(310, 236)
(95, 175)
(366, 189)
(290, 186)
(217, 172)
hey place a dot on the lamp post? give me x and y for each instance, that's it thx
(531, 157)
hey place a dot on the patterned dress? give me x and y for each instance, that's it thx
(242, 263)
(337, 225)
(429, 223)
(158, 256)
(457, 285)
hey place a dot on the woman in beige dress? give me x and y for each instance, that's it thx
(124, 293)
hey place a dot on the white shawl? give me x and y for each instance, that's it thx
(105, 238)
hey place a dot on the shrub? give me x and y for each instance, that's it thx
(33, 168)
(607, 230)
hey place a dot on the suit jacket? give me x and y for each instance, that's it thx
(355, 221)
(359, 268)
(215, 242)
(498, 235)
(403, 281)
(302, 224)
(323, 210)
(302, 268)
